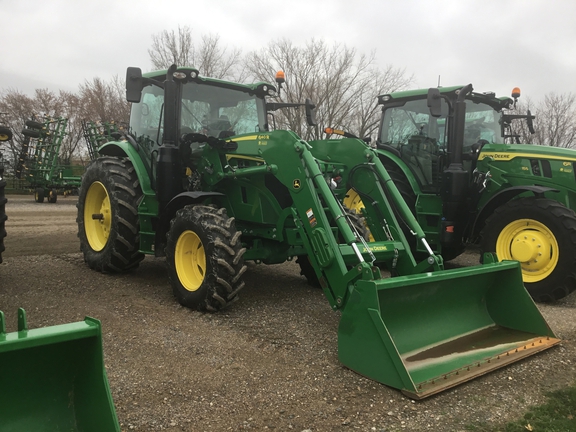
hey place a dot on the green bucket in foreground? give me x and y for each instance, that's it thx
(53, 379)
(425, 333)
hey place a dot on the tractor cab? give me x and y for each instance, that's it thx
(422, 140)
(207, 106)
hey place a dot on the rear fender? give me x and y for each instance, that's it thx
(389, 158)
(130, 150)
(501, 198)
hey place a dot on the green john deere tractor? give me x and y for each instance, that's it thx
(457, 162)
(201, 180)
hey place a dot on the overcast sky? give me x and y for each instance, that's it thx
(493, 44)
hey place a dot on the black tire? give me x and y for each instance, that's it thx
(3, 217)
(39, 195)
(5, 134)
(204, 256)
(34, 124)
(108, 224)
(31, 133)
(52, 196)
(521, 229)
(307, 270)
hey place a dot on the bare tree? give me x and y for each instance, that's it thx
(104, 101)
(555, 122)
(96, 100)
(209, 56)
(343, 84)
(17, 108)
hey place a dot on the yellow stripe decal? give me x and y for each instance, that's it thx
(246, 138)
(501, 156)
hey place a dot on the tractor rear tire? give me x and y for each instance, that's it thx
(108, 224)
(5, 134)
(540, 234)
(3, 216)
(204, 256)
(39, 195)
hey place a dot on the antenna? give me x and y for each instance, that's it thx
(438, 81)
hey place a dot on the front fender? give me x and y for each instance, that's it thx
(167, 214)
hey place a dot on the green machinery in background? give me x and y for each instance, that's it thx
(39, 161)
(456, 159)
(97, 133)
(202, 179)
(53, 379)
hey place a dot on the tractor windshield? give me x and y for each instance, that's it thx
(413, 119)
(221, 112)
(421, 139)
(206, 108)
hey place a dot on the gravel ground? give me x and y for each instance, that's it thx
(269, 362)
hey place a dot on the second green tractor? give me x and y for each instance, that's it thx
(455, 155)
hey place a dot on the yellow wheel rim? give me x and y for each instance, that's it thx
(353, 201)
(4, 137)
(190, 260)
(533, 245)
(97, 216)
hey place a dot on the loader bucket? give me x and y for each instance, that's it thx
(53, 379)
(425, 333)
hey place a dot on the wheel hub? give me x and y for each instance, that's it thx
(97, 216)
(190, 260)
(531, 247)
(532, 244)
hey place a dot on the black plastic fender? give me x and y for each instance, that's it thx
(168, 212)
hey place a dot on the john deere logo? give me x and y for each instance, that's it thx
(296, 184)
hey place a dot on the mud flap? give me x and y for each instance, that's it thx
(425, 333)
(53, 378)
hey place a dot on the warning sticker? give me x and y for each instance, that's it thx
(311, 218)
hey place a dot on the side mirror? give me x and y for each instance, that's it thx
(434, 102)
(310, 112)
(133, 84)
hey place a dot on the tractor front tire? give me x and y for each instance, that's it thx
(540, 234)
(108, 225)
(307, 270)
(204, 256)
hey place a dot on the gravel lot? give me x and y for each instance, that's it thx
(269, 362)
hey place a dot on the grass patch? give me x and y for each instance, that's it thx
(558, 414)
